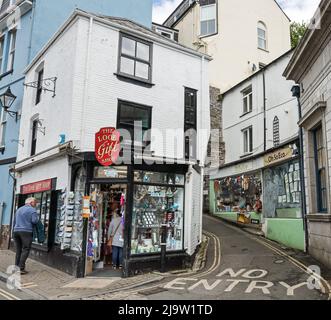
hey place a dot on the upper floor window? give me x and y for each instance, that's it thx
(137, 120)
(2, 52)
(34, 136)
(208, 17)
(190, 123)
(262, 35)
(247, 100)
(248, 140)
(12, 48)
(3, 123)
(276, 132)
(135, 58)
(320, 165)
(39, 85)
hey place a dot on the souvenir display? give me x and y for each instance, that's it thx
(234, 194)
(153, 206)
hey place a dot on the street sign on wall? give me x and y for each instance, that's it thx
(278, 156)
(107, 146)
(37, 187)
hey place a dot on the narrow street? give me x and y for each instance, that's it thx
(239, 266)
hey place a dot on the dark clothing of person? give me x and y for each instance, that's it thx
(23, 242)
(26, 218)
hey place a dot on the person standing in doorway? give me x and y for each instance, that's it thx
(26, 218)
(116, 232)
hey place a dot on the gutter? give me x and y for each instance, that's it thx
(296, 93)
(264, 114)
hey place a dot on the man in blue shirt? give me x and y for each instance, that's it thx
(26, 218)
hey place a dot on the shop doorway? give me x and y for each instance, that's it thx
(108, 203)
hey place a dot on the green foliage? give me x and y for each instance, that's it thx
(297, 31)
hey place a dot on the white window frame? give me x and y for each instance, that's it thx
(247, 140)
(3, 125)
(247, 100)
(206, 7)
(12, 49)
(261, 26)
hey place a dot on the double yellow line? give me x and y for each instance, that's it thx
(8, 295)
(301, 266)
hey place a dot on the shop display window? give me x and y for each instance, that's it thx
(238, 194)
(282, 191)
(43, 211)
(74, 210)
(153, 206)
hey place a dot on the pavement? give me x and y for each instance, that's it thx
(46, 283)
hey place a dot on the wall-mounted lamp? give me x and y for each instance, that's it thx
(7, 99)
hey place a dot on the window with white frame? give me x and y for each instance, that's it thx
(247, 100)
(208, 17)
(3, 123)
(135, 58)
(12, 48)
(248, 140)
(262, 35)
(2, 47)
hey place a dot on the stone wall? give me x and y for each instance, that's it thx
(216, 146)
(4, 237)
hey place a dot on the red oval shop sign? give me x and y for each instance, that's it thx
(107, 146)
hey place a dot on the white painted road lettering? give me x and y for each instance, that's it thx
(251, 286)
(290, 289)
(233, 284)
(261, 285)
(178, 281)
(205, 284)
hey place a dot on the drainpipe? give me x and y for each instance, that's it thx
(2, 204)
(296, 93)
(264, 114)
(200, 135)
(85, 97)
(31, 31)
(12, 210)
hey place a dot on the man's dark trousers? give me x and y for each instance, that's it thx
(23, 242)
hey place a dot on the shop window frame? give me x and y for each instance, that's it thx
(53, 194)
(134, 183)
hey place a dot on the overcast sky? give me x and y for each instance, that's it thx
(297, 10)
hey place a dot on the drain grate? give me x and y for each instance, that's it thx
(152, 291)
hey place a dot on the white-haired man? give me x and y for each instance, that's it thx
(26, 218)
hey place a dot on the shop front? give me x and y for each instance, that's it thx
(283, 221)
(239, 198)
(146, 197)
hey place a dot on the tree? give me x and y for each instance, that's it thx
(297, 31)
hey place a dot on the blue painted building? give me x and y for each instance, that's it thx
(25, 26)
